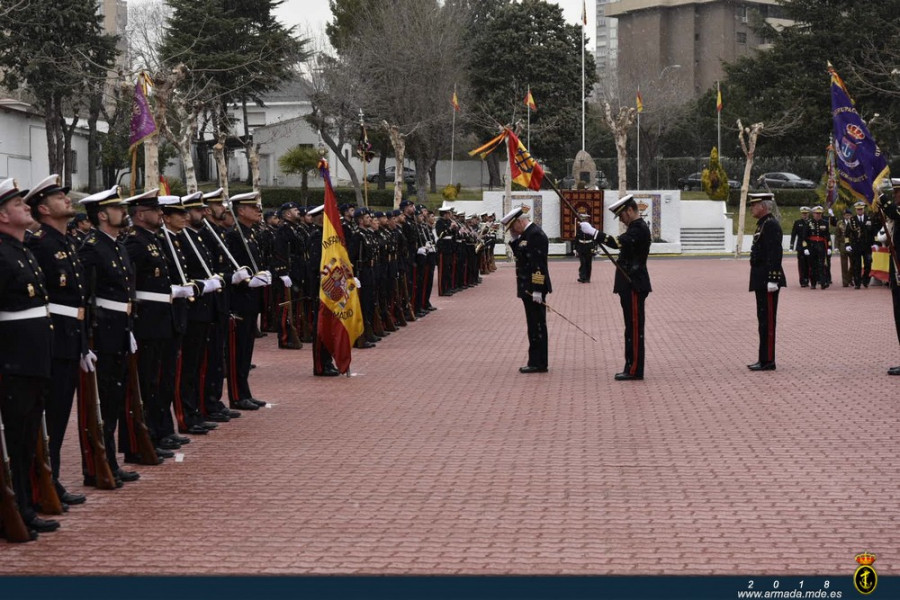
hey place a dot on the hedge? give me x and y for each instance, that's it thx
(273, 197)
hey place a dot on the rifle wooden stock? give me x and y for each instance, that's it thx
(135, 407)
(13, 526)
(377, 323)
(288, 309)
(93, 431)
(47, 497)
(302, 313)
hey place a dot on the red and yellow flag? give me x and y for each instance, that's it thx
(524, 169)
(340, 315)
(455, 101)
(640, 102)
(164, 189)
(529, 101)
(718, 98)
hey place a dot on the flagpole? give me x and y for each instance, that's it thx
(452, 135)
(638, 182)
(528, 128)
(718, 120)
(583, 23)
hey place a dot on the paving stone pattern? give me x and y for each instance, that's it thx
(437, 456)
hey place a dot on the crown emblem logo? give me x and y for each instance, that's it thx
(865, 579)
(865, 558)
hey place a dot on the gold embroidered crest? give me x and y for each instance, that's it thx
(537, 278)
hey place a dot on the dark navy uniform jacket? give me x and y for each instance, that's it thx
(107, 265)
(765, 255)
(530, 250)
(27, 345)
(634, 247)
(244, 299)
(152, 320)
(66, 284)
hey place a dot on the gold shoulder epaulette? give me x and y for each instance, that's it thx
(538, 278)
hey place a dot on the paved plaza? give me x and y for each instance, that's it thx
(437, 456)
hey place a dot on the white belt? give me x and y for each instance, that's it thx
(124, 307)
(154, 297)
(64, 310)
(20, 315)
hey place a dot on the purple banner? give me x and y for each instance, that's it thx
(142, 125)
(860, 164)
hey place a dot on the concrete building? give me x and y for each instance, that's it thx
(606, 36)
(696, 35)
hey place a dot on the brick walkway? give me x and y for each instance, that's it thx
(438, 457)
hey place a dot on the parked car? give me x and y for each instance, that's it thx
(784, 180)
(409, 176)
(694, 181)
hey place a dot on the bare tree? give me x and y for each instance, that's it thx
(619, 126)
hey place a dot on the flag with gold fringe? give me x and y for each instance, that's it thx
(524, 169)
(529, 101)
(718, 98)
(142, 124)
(639, 102)
(454, 101)
(860, 164)
(340, 316)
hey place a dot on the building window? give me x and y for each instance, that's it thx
(741, 37)
(256, 119)
(742, 13)
(73, 162)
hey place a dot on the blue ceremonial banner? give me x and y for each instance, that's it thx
(860, 164)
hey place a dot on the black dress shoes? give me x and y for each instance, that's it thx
(328, 373)
(894, 371)
(530, 369)
(758, 366)
(233, 414)
(135, 459)
(259, 403)
(366, 344)
(194, 430)
(218, 417)
(178, 439)
(42, 525)
(167, 444)
(127, 476)
(70, 498)
(628, 377)
(244, 404)
(164, 453)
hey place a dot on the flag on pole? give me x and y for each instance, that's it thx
(860, 164)
(340, 315)
(583, 12)
(485, 149)
(524, 169)
(455, 101)
(718, 98)
(831, 184)
(640, 102)
(529, 100)
(164, 189)
(142, 124)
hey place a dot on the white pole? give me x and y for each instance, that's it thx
(452, 137)
(582, 80)
(638, 186)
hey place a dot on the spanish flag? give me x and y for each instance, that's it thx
(640, 102)
(485, 149)
(525, 171)
(718, 98)
(529, 101)
(455, 101)
(340, 315)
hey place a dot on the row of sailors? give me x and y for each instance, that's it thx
(139, 324)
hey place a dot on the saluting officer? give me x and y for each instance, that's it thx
(530, 246)
(110, 275)
(26, 353)
(634, 248)
(245, 299)
(57, 256)
(766, 275)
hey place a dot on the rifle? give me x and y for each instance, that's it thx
(93, 444)
(10, 518)
(134, 406)
(45, 490)
(287, 312)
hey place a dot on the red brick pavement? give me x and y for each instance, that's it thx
(439, 457)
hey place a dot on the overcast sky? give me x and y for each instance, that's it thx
(312, 15)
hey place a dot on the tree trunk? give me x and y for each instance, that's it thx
(249, 150)
(493, 164)
(432, 176)
(748, 145)
(253, 159)
(619, 127)
(398, 142)
(93, 141)
(382, 162)
(221, 163)
(67, 148)
(54, 137)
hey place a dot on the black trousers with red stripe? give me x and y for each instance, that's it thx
(536, 319)
(633, 313)
(21, 404)
(193, 348)
(766, 310)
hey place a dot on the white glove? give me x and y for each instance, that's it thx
(266, 275)
(537, 297)
(132, 343)
(806, 252)
(881, 237)
(587, 228)
(242, 274)
(182, 291)
(210, 285)
(829, 252)
(771, 287)
(830, 213)
(286, 280)
(88, 362)
(848, 249)
(258, 280)
(357, 283)
(421, 251)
